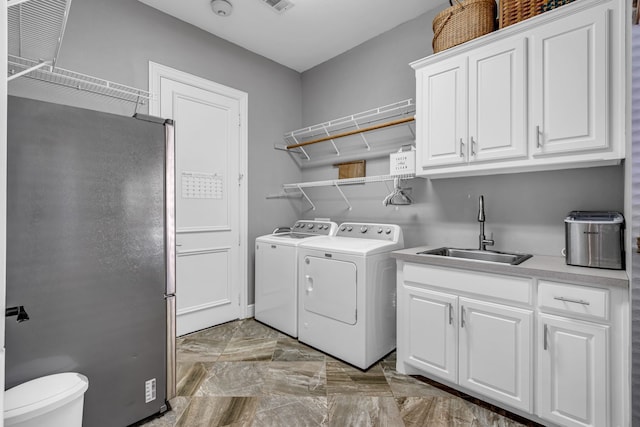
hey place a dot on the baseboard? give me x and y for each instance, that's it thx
(250, 311)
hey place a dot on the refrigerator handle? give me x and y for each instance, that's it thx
(170, 214)
(170, 250)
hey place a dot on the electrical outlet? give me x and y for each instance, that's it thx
(150, 390)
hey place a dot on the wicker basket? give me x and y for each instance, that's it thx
(512, 11)
(464, 21)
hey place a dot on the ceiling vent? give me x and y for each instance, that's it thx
(278, 6)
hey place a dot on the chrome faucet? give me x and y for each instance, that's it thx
(482, 239)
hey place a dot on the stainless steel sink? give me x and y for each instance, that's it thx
(478, 255)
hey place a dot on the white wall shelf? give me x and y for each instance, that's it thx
(35, 32)
(297, 189)
(357, 133)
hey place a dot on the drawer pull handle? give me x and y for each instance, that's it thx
(450, 314)
(462, 322)
(575, 301)
(545, 333)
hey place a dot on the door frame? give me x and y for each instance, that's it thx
(156, 73)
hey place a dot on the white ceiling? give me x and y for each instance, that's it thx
(309, 33)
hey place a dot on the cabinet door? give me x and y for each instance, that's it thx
(570, 84)
(573, 372)
(495, 351)
(498, 100)
(429, 327)
(441, 110)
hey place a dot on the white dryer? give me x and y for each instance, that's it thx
(347, 296)
(276, 273)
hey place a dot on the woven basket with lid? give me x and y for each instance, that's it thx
(464, 21)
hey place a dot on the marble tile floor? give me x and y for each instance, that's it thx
(245, 374)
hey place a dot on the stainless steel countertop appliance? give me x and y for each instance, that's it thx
(595, 239)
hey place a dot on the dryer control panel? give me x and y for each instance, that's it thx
(388, 232)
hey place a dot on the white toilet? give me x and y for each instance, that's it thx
(52, 401)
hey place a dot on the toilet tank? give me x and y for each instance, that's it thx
(52, 401)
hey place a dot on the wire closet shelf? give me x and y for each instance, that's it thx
(337, 183)
(35, 33)
(371, 120)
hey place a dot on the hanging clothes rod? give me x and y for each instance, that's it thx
(353, 132)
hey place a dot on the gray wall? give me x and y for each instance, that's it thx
(116, 39)
(524, 211)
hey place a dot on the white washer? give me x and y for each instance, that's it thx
(347, 296)
(276, 272)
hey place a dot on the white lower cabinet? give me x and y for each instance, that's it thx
(495, 351)
(481, 345)
(501, 337)
(432, 332)
(573, 372)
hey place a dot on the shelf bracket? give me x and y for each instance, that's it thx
(28, 70)
(364, 138)
(343, 196)
(411, 130)
(301, 149)
(306, 197)
(332, 141)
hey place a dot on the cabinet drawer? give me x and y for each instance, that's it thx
(574, 299)
(509, 288)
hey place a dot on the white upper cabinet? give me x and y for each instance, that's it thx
(569, 84)
(546, 93)
(471, 108)
(497, 101)
(442, 110)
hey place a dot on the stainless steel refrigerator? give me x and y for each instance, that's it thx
(91, 255)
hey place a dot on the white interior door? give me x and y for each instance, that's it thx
(210, 210)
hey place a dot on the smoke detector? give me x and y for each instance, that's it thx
(278, 6)
(221, 7)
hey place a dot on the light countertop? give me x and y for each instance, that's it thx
(539, 266)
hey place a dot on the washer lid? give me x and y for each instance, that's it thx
(43, 394)
(289, 239)
(351, 245)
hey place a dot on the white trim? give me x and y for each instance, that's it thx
(187, 230)
(205, 306)
(203, 251)
(156, 73)
(251, 311)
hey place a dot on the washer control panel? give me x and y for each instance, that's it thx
(315, 227)
(389, 232)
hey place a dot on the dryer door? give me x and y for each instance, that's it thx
(329, 288)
